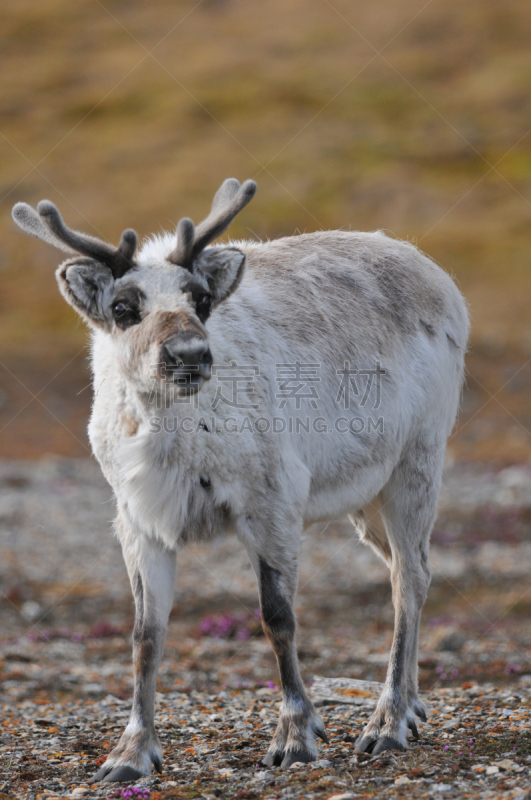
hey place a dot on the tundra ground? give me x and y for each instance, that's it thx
(66, 664)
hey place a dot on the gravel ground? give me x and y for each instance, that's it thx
(65, 650)
(476, 743)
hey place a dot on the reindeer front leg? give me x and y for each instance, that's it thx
(276, 566)
(151, 568)
(299, 723)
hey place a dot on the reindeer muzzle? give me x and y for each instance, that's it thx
(187, 361)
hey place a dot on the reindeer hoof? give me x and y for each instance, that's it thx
(387, 743)
(364, 744)
(292, 756)
(285, 758)
(413, 727)
(121, 774)
(100, 774)
(124, 774)
(273, 759)
(418, 709)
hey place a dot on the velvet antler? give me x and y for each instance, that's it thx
(47, 224)
(228, 202)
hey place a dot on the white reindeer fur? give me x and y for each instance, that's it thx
(325, 298)
(285, 311)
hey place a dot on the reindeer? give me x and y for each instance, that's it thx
(164, 321)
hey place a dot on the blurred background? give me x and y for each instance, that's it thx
(410, 116)
(405, 115)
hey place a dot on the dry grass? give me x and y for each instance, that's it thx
(406, 116)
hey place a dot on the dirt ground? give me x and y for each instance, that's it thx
(66, 668)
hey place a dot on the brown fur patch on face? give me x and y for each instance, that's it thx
(129, 424)
(180, 321)
(159, 326)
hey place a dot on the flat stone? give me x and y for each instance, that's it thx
(403, 780)
(344, 796)
(505, 763)
(343, 691)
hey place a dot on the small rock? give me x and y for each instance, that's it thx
(514, 478)
(31, 610)
(440, 788)
(344, 796)
(505, 763)
(92, 688)
(54, 741)
(447, 638)
(343, 690)
(492, 770)
(263, 775)
(402, 780)
(322, 763)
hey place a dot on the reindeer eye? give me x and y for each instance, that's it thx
(202, 306)
(125, 315)
(119, 309)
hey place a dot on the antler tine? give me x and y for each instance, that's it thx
(118, 259)
(128, 244)
(182, 255)
(27, 218)
(82, 243)
(225, 193)
(228, 202)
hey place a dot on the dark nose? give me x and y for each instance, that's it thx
(187, 360)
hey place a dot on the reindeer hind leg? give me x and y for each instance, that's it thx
(409, 503)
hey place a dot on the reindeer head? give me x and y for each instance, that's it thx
(155, 309)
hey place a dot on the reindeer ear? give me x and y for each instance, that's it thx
(89, 288)
(223, 268)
